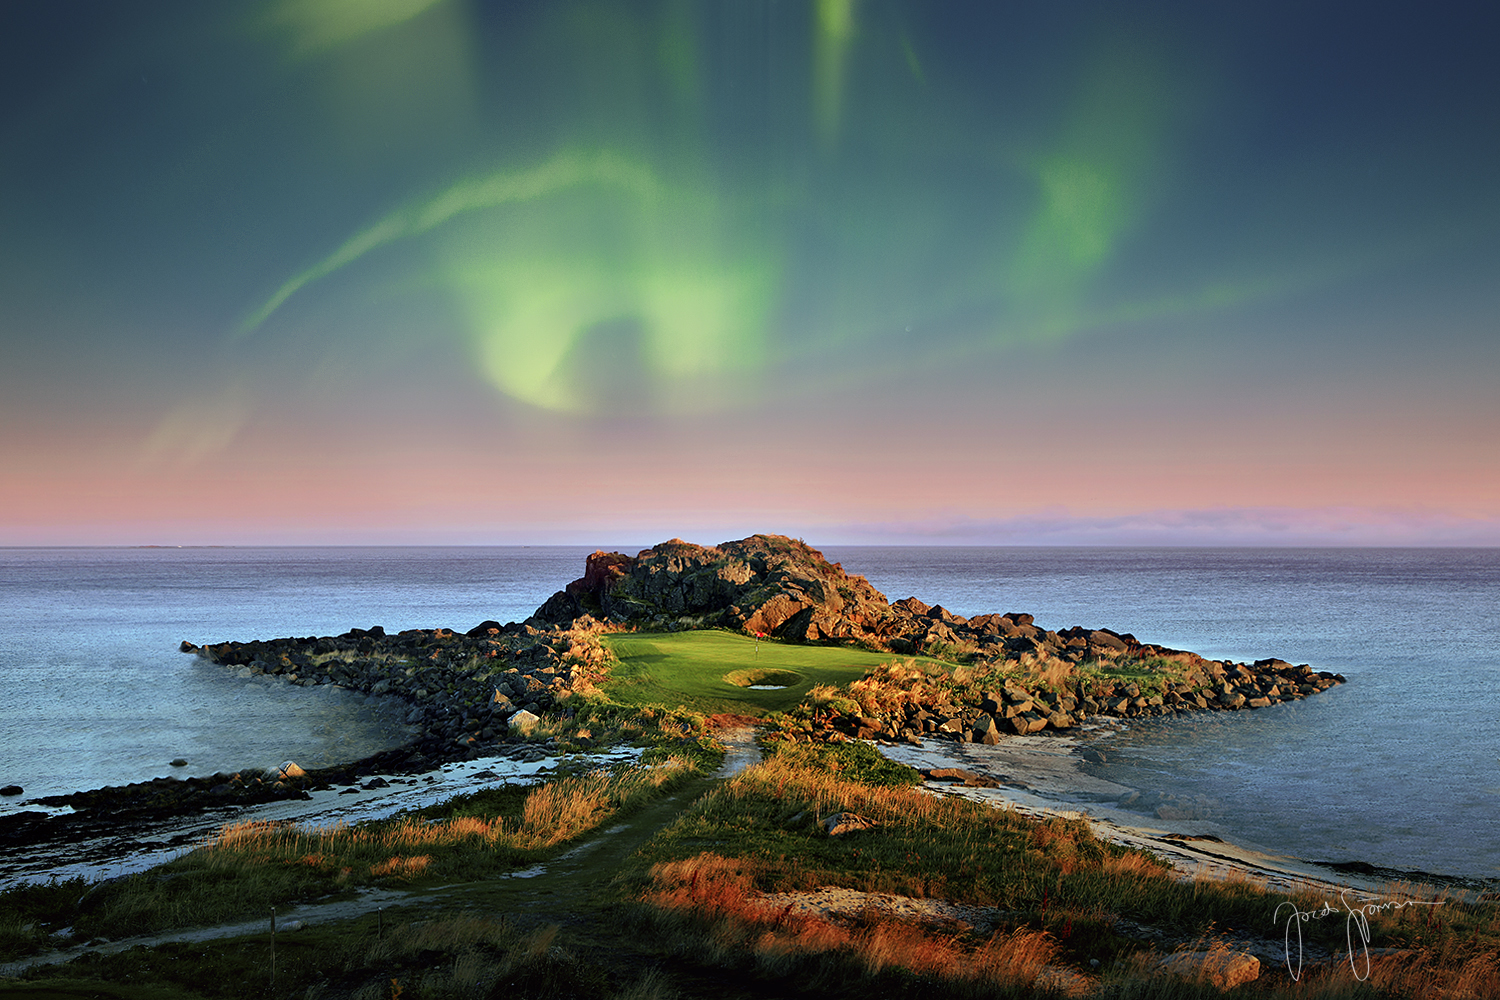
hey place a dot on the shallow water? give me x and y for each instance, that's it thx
(93, 691)
(1397, 768)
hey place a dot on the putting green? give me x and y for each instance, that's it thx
(699, 670)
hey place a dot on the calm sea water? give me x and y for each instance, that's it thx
(1398, 768)
(93, 691)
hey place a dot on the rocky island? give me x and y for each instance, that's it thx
(485, 690)
(467, 688)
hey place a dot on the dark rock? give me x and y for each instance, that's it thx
(12, 790)
(484, 628)
(985, 731)
(968, 778)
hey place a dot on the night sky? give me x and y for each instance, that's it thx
(434, 271)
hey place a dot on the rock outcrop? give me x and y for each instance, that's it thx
(782, 587)
(767, 584)
(463, 689)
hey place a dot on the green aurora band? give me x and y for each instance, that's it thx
(672, 265)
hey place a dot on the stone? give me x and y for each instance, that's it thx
(842, 823)
(12, 790)
(969, 778)
(1024, 725)
(485, 628)
(290, 769)
(524, 722)
(179, 762)
(986, 732)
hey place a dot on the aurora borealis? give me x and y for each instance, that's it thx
(436, 271)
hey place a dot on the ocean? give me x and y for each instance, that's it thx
(1398, 768)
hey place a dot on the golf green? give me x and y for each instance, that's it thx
(709, 671)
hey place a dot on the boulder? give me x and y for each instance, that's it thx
(985, 731)
(1024, 725)
(524, 723)
(12, 790)
(969, 778)
(485, 628)
(842, 823)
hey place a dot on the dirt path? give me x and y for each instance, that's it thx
(565, 890)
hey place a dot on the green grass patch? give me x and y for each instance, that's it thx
(692, 670)
(855, 761)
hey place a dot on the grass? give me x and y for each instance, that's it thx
(689, 669)
(1056, 895)
(438, 957)
(246, 868)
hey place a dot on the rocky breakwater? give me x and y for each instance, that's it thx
(468, 692)
(1015, 677)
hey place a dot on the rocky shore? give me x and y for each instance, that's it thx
(469, 695)
(781, 587)
(486, 691)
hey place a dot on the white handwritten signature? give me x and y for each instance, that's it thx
(1356, 921)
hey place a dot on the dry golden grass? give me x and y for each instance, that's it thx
(717, 895)
(402, 867)
(1052, 880)
(404, 848)
(1046, 671)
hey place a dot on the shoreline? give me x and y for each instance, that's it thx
(1042, 776)
(108, 847)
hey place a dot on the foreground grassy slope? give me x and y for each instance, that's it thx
(689, 670)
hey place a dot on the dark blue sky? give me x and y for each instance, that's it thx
(428, 270)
